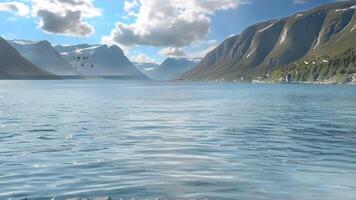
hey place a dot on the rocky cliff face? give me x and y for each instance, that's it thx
(326, 31)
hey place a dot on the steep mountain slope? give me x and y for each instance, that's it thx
(171, 68)
(99, 60)
(304, 39)
(14, 66)
(44, 56)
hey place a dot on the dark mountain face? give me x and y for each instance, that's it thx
(171, 68)
(326, 31)
(44, 56)
(14, 66)
(99, 60)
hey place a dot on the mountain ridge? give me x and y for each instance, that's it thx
(43, 55)
(263, 48)
(14, 66)
(99, 60)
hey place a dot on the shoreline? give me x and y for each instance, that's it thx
(24, 78)
(269, 82)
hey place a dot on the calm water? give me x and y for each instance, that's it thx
(149, 140)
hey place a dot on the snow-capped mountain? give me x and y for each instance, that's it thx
(99, 60)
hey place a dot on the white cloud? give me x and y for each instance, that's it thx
(202, 48)
(174, 23)
(129, 5)
(172, 52)
(18, 8)
(65, 17)
(142, 58)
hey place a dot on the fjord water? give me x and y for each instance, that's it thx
(148, 140)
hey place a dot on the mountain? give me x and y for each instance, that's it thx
(145, 67)
(316, 45)
(171, 68)
(99, 60)
(44, 56)
(14, 66)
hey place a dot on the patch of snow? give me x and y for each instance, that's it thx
(299, 14)
(338, 10)
(86, 49)
(24, 42)
(149, 69)
(269, 26)
(353, 28)
(65, 53)
(317, 43)
(284, 36)
(345, 9)
(230, 36)
(251, 52)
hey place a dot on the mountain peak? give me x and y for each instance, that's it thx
(14, 65)
(99, 60)
(44, 56)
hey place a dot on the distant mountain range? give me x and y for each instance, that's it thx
(313, 46)
(14, 66)
(171, 68)
(21, 59)
(99, 60)
(44, 56)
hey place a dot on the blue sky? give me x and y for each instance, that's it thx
(203, 24)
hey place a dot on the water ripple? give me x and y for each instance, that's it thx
(149, 140)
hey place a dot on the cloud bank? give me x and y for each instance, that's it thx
(163, 23)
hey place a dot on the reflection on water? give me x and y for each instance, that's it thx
(176, 140)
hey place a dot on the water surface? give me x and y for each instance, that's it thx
(148, 140)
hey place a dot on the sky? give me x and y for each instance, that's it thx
(147, 30)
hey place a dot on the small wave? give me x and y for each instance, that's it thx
(41, 130)
(45, 138)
